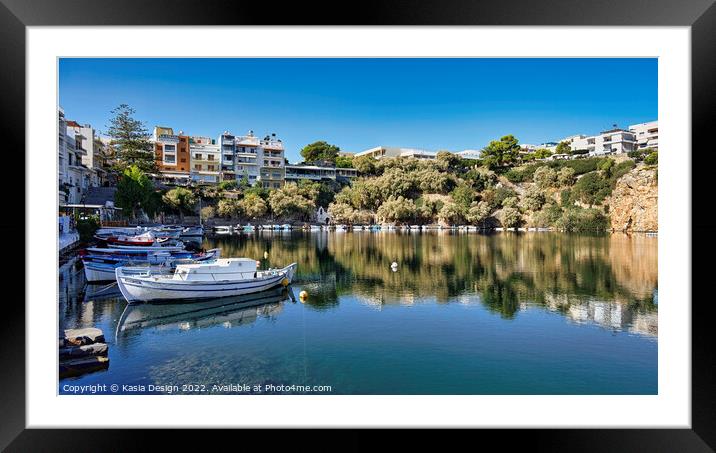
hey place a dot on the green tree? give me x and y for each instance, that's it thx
(451, 213)
(478, 213)
(606, 167)
(511, 217)
(253, 206)
(533, 199)
(397, 209)
(130, 141)
(341, 212)
(543, 153)
(344, 162)
(207, 212)
(499, 153)
(229, 208)
(181, 200)
(366, 165)
(320, 150)
(563, 148)
(449, 161)
(134, 189)
(292, 201)
(463, 195)
(652, 158)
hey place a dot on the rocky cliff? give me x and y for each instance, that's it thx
(633, 203)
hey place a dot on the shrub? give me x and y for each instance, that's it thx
(591, 188)
(545, 177)
(580, 166)
(548, 216)
(228, 207)
(533, 200)
(87, 227)
(583, 220)
(499, 196)
(397, 209)
(652, 158)
(565, 198)
(511, 217)
(565, 176)
(510, 202)
(207, 212)
(228, 185)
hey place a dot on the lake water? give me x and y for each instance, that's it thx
(508, 313)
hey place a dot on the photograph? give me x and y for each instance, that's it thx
(322, 226)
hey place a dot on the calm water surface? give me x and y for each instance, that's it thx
(535, 313)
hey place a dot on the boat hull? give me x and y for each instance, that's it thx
(137, 289)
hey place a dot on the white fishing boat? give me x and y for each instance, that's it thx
(286, 227)
(218, 278)
(178, 246)
(315, 228)
(357, 228)
(266, 227)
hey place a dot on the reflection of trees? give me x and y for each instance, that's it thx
(505, 270)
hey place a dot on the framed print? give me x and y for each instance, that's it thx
(387, 224)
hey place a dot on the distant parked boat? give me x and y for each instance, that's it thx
(340, 228)
(223, 229)
(357, 228)
(219, 278)
(100, 267)
(192, 231)
(286, 227)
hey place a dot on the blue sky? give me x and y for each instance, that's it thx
(356, 104)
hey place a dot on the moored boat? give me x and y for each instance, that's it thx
(217, 278)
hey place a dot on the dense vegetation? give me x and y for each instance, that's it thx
(506, 188)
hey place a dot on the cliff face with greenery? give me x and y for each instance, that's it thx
(569, 195)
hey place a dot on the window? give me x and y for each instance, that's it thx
(169, 159)
(197, 167)
(210, 157)
(210, 167)
(183, 159)
(197, 156)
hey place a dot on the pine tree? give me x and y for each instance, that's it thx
(130, 141)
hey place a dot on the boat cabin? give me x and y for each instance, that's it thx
(217, 270)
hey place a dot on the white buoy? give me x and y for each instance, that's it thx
(394, 266)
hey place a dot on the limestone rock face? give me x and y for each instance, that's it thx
(633, 203)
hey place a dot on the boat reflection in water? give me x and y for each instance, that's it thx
(226, 311)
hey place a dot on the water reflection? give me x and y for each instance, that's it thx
(226, 312)
(608, 280)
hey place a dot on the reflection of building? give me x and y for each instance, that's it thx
(609, 314)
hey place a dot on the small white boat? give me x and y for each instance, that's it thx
(471, 228)
(218, 278)
(276, 227)
(223, 229)
(286, 227)
(357, 228)
(249, 228)
(315, 228)
(340, 228)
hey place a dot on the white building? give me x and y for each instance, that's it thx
(470, 153)
(205, 156)
(380, 152)
(93, 159)
(73, 177)
(613, 141)
(317, 173)
(647, 134)
(260, 161)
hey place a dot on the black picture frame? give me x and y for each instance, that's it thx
(700, 15)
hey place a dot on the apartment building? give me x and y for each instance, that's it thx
(171, 152)
(647, 134)
(205, 159)
(317, 173)
(470, 154)
(260, 161)
(73, 177)
(613, 141)
(93, 158)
